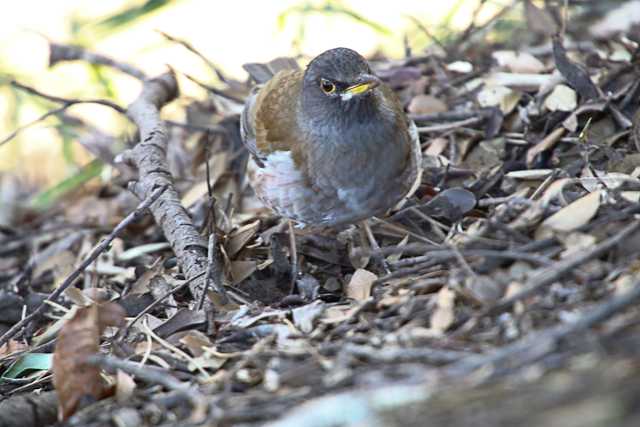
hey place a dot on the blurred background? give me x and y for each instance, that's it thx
(229, 33)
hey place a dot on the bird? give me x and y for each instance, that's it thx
(330, 145)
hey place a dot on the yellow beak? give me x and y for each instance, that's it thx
(366, 83)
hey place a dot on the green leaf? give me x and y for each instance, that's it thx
(329, 8)
(128, 16)
(50, 196)
(28, 362)
(350, 13)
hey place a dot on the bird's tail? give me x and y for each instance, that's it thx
(262, 72)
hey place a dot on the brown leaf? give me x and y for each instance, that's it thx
(359, 287)
(79, 338)
(11, 346)
(240, 237)
(573, 216)
(240, 270)
(195, 341)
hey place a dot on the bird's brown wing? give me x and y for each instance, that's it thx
(270, 118)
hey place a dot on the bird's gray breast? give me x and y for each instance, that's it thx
(360, 161)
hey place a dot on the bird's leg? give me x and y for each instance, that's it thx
(293, 256)
(379, 259)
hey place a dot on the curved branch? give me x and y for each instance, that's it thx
(149, 156)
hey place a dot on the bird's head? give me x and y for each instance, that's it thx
(338, 81)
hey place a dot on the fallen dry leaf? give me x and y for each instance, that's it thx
(359, 287)
(519, 62)
(125, 385)
(499, 96)
(79, 338)
(443, 316)
(572, 216)
(240, 237)
(563, 98)
(240, 270)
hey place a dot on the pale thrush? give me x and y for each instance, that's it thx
(330, 145)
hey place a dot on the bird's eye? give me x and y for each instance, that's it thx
(327, 87)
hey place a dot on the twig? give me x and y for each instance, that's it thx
(214, 90)
(198, 128)
(66, 103)
(438, 252)
(400, 355)
(193, 50)
(472, 29)
(447, 116)
(450, 126)
(428, 33)
(60, 52)
(401, 230)
(69, 280)
(70, 101)
(210, 260)
(33, 122)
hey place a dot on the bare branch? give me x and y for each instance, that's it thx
(60, 52)
(66, 103)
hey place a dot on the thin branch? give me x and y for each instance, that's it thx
(71, 101)
(428, 33)
(214, 90)
(216, 129)
(193, 50)
(66, 103)
(451, 126)
(60, 52)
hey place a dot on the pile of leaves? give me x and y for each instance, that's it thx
(515, 261)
